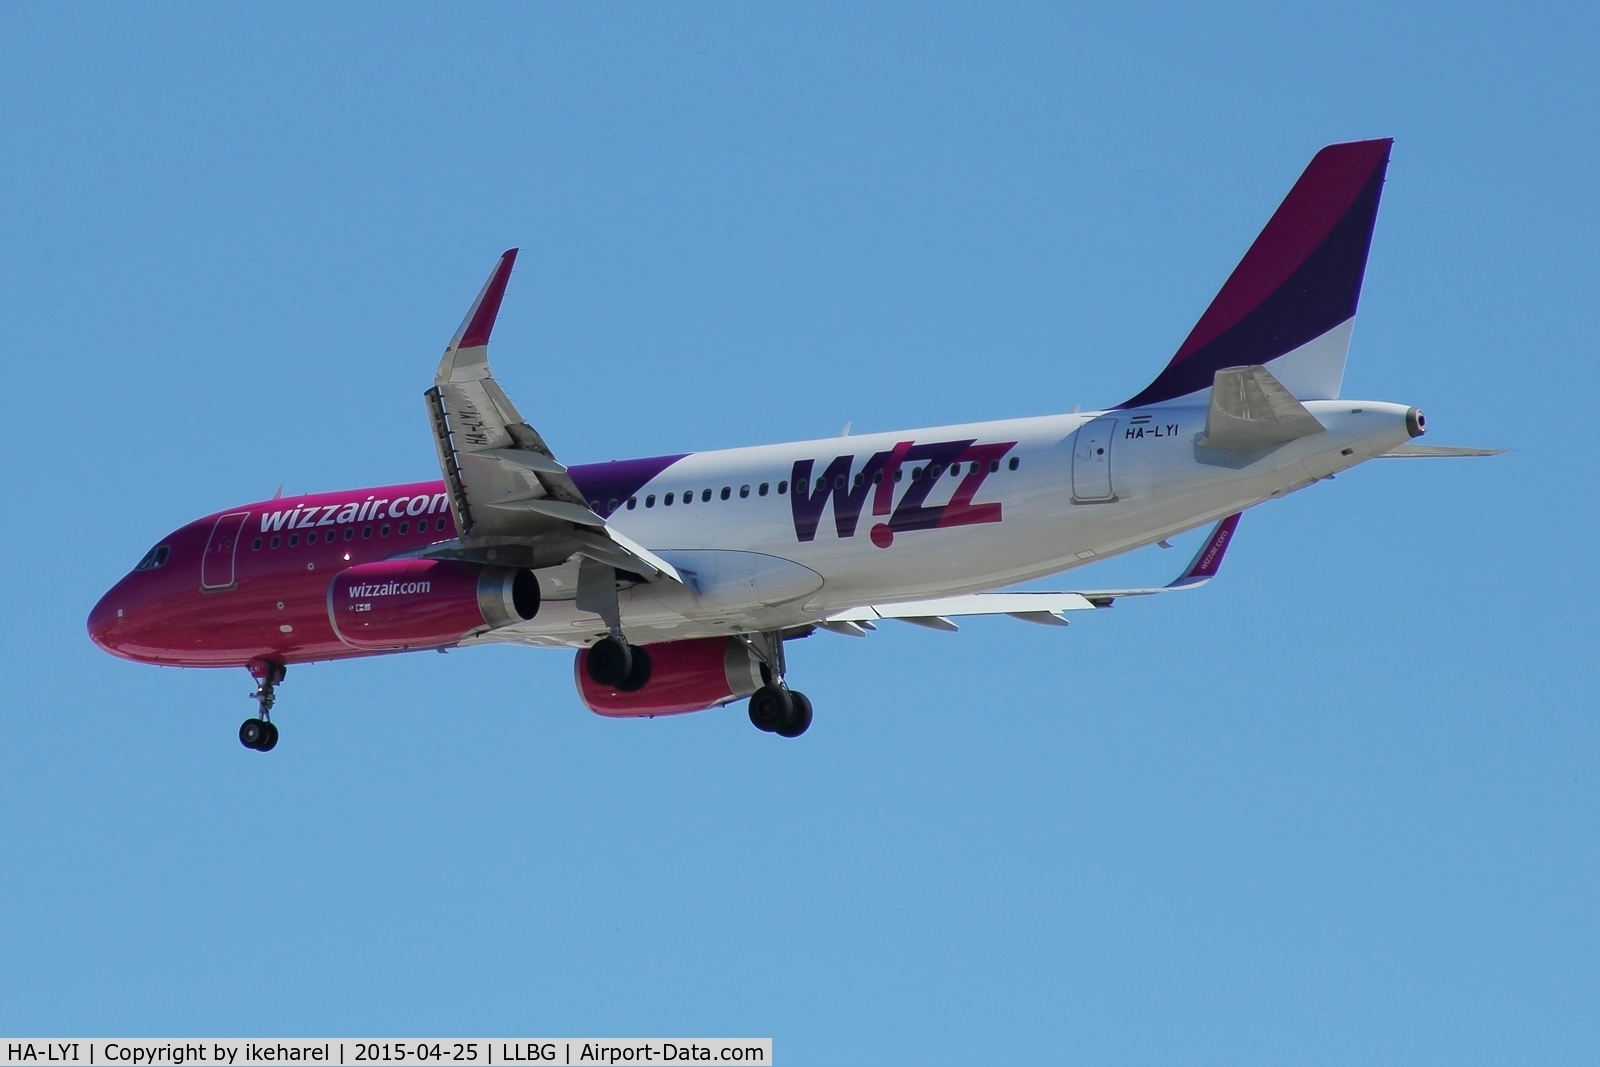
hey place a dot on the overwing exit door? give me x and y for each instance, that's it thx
(216, 568)
(1091, 462)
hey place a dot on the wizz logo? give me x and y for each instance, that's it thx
(878, 478)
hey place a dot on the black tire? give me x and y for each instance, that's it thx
(800, 721)
(770, 707)
(251, 733)
(639, 673)
(610, 662)
(269, 740)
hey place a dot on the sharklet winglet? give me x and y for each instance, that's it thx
(479, 321)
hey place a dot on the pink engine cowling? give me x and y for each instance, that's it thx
(426, 603)
(684, 676)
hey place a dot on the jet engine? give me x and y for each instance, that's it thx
(425, 603)
(684, 676)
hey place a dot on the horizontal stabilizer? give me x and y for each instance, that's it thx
(1410, 450)
(1251, 411)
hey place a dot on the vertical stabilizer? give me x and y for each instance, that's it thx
(1290, 304)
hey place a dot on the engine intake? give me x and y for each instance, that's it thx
(426, 603)
(684, 676)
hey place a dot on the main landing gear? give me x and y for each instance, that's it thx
(780, 710)
(775, 708)
(614, 662)
(259, 733)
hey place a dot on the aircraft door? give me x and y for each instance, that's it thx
(216, 568)
(1091, 462)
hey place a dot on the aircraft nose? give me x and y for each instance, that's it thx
(103, 621)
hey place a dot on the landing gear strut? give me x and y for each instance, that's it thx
(775, 708)
(612, 660)
(259, 733)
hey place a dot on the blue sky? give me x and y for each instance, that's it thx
(1339, 806)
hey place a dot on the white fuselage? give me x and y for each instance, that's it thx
(1085, 486)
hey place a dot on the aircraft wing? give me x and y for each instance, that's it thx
(1045, 608)
(505, 484)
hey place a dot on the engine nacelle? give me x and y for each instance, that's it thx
(684, 676)
(426, 603)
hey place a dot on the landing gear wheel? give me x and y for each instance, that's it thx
(269, 739)
(638, 673)
(770, 708)
(800, 721)
(611, 663)
(252, 732)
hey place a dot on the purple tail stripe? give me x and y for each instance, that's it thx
(1300, 279)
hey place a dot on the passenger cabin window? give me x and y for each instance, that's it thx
(440, 526)
(255, 546)
(276, 540)
(744, 491)
(611, 505)
(666, 501)
(633, 502)
(726, 492)
(349, 533)
(405, 527)
(1013, 463)
(762, 490)
(294, 539)
(366, 532)
(994, 466)
(383, 531)
(705, 496)
(783, 487)
(154, 558)
(650, 501)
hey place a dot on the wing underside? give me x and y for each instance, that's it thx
(1047, 608)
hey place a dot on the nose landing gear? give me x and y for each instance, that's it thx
(259, 733)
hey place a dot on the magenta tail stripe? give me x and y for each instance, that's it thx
(1300, 278)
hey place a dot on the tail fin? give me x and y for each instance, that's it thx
(1290, 304)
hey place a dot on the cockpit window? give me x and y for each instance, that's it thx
(154, 558)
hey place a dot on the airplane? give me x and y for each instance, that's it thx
(678, 579)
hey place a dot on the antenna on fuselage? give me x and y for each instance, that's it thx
(279, 494)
